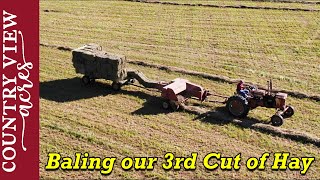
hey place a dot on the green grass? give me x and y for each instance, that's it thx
(253, 44)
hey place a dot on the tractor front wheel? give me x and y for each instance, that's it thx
(289, 112)
(237, 106)
(277, 120)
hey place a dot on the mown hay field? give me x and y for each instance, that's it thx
(252, 44)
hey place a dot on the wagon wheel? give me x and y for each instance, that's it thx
(289, 112)
(237, 106)
(165, 105)
(92, 80)
(277, 120)
(116, 86)
(85, 80)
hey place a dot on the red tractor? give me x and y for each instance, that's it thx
(239, 106)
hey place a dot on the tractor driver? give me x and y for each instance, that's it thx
(241, 90)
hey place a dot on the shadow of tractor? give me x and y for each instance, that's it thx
(221, 116)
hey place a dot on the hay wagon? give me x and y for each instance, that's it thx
(94, 63)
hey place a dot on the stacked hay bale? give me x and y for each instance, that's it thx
(91, 61)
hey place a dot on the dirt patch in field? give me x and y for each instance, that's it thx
(222, 6)
(200, 74)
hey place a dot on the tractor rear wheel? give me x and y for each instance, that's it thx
(85, 80)
(238, 106)
(277, 120)
(289, 112)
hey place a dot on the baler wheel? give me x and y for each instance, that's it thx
(277, 120)
(174, 105)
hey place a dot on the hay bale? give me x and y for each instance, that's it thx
(90, 60)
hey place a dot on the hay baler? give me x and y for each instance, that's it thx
(178, 91)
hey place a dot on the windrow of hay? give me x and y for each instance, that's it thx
(51, 10)
(288, 1)
(62, 48)
(247, 123)
(219, 78)
(222, 6)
